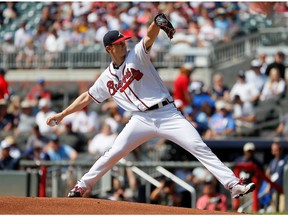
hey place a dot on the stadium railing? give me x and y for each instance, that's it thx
(229, 52)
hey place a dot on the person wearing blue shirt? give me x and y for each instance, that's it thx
(275, 172)
(57, 151)
(221, 123)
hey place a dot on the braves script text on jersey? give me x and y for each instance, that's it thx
(136, 86)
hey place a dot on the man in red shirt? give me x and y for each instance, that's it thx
(4, 91)
(180, 93)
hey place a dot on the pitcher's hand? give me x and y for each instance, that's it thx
(54, 119)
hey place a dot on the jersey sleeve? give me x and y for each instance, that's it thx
(141, 52)
(98, 91)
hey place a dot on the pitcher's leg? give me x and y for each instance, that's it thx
(134, 134)
(181, 132)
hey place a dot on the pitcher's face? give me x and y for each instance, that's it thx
(118, 49)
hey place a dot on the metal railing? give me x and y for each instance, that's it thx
(180, 182)
(82, 166)
(57, 176)
(203, 57)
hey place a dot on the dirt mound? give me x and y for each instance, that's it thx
(81, 206)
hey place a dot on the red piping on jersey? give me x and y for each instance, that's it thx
(123, 70)
(130, 100)
(112, 73)
(93, 98)
(138, 97)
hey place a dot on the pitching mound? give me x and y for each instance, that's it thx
(81, 206)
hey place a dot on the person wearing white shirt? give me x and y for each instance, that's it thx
(255, 76)
(21, 37)
(246, 91)
(42, 115)
(274, 86)
(103, 141)
(86, 122)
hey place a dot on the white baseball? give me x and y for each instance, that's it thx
(52, 123)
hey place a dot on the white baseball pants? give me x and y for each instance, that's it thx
(166, 122)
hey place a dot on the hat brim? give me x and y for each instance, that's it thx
(121, 39)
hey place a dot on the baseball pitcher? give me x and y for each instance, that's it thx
(133, 82)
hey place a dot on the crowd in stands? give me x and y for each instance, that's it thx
(74, 25)
(217, 112)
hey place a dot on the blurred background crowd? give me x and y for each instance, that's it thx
(219, 111)
(30, 28)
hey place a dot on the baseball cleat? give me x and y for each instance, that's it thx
(242, 188)
(76, 192)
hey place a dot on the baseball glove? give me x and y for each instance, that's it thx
(162, 21)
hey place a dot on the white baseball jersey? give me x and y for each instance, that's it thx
(125, 84)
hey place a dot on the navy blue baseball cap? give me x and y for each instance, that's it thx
(113, 37)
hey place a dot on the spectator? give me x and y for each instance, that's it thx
(198, 117)
(165, 194)
(211, 200)
(199, 95)
(6, 161)
(58, 151)
(10, 11)
(36, 139)
(40, 36)
(221, 123)
(248, 156)
(262, 59)
(26, 118)
(282, 128)
(14, 108)
(219, 90)
(76, 140)
(54, 44)
(102, 141)
(6, 119)
(37, 153)
(81, 8)
(275, 172)
(184, 174)
(8, 48)
(222, 23)
(62, 152)
(254, 75)
(274, 86)
(22, 35)
(4, 86)
(86, 122)
(26, 56)
(77, 38)
(38, 91)
(44, 112)
(14, 150)
(208, 34)
(246, 91)
(278, 63)
(181, 95)
(46, 18)
(199, 176)
(244, 114)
